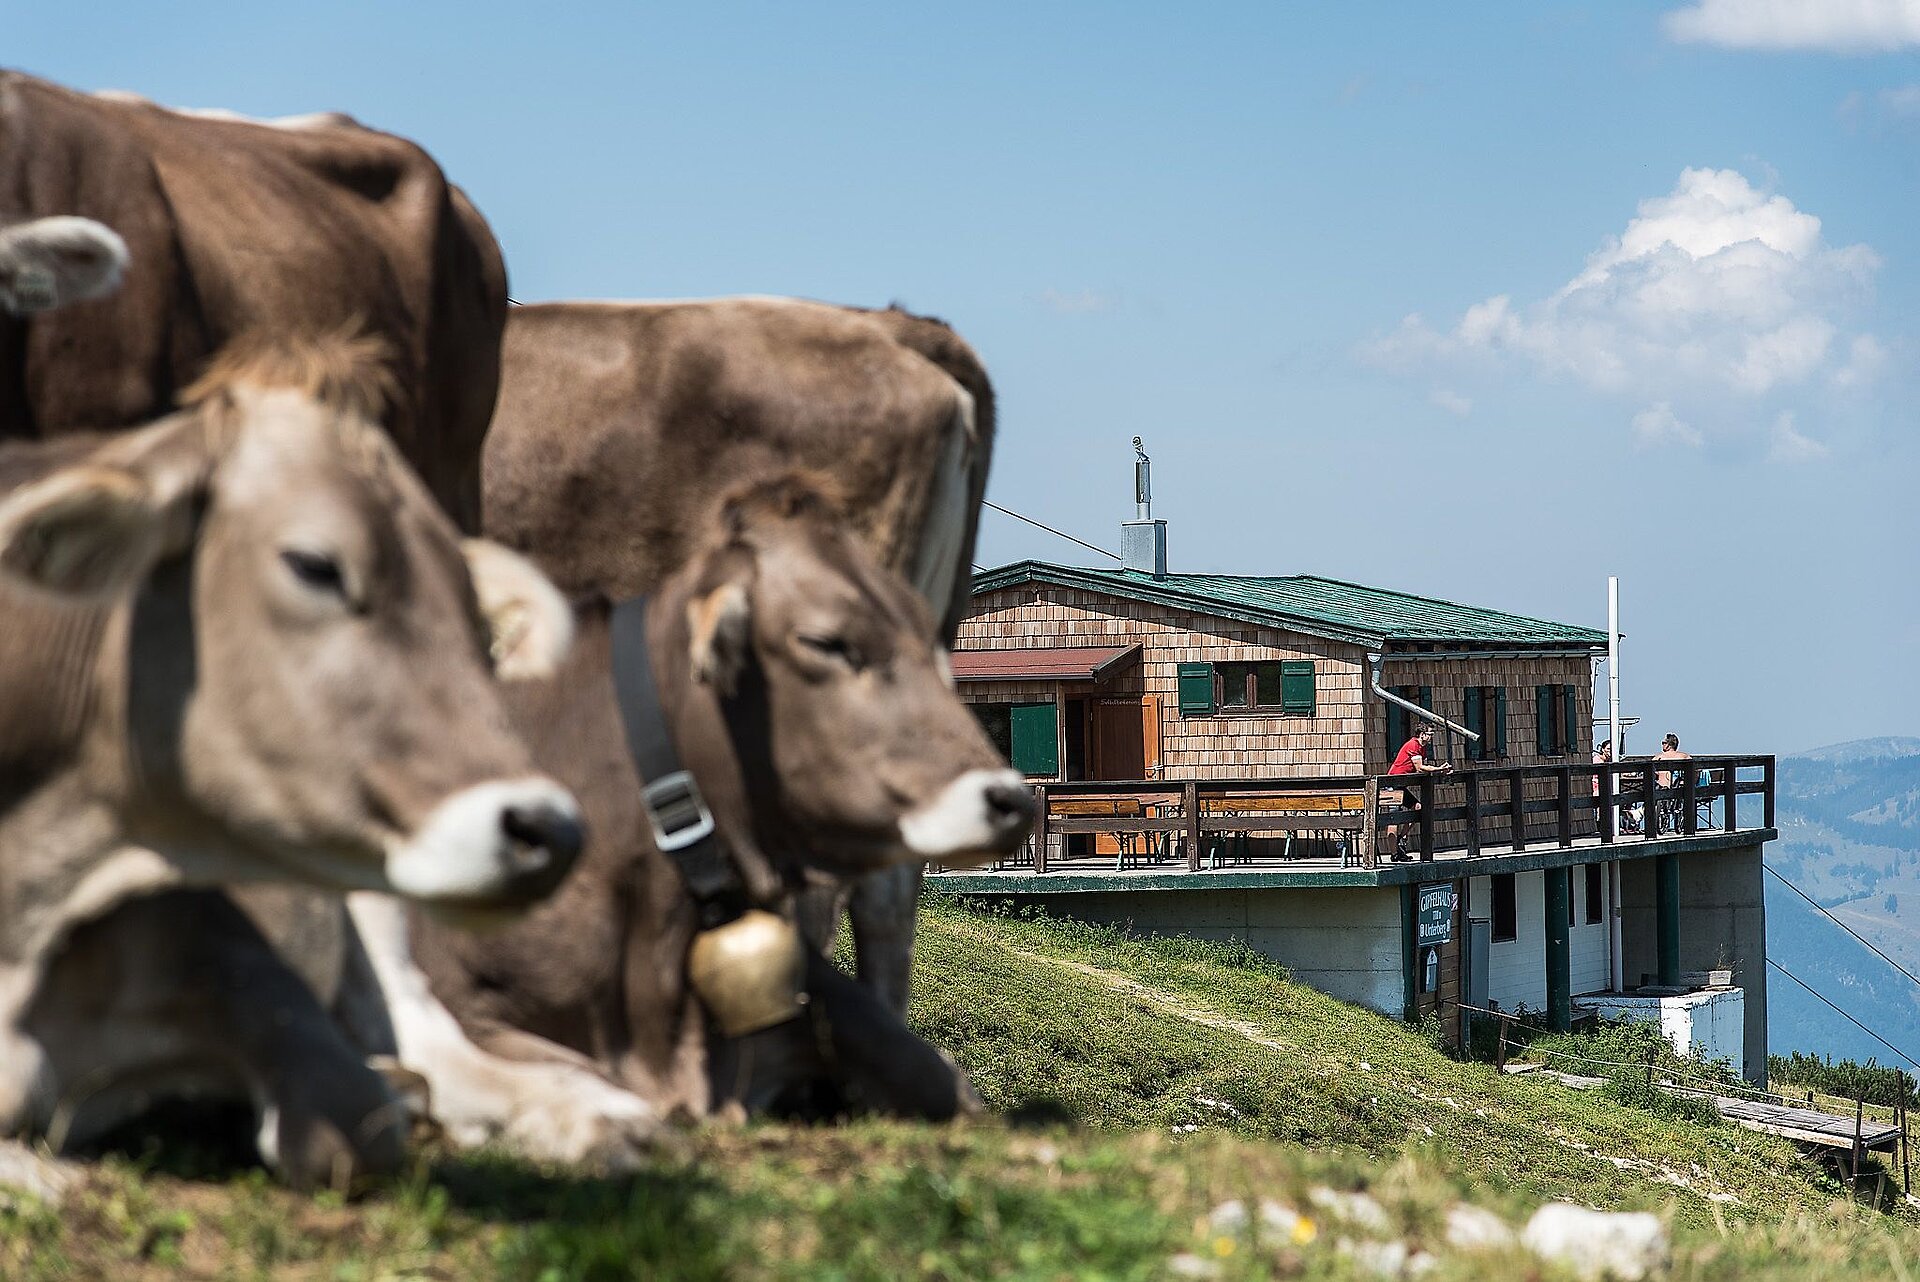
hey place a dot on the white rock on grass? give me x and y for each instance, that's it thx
(25, 1171)
(1356, 1209)
(1473, 1228)
(1188, 1265)
(1623, 1245)
(1229, 1219)
(1281, 1223)
(1388, 1259)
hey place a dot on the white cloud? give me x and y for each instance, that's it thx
(1903, 102)
(1451, 401)
(1078, 302)
(1790, 445)
(1657, 426)
(1865, 359)
(1832, 26)
(1713, 291)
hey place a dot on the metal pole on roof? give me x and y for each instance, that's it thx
(1142, 483)
(1613, 666)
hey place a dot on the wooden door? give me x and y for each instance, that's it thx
(1119, 748)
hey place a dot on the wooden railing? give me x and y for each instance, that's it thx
(1492, 810)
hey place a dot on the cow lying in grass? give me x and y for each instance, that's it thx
(245, 643)
(806, 690)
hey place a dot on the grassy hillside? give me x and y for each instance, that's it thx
(1141, 1087)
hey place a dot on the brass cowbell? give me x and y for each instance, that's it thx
(749, 972)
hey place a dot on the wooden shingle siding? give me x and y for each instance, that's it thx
(1347, 733)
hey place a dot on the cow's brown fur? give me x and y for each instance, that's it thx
(237, 230)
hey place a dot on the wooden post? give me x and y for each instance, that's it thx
(1607, 781)
(1563, 779)
(1690, 800)
(1190, 798)
(1517, 809)
(1370, 824)
(1426, 819)
(1473, 813)
(1558, 893)
(1040, 832)
(1766, 792)
(1901, 1098)
(1500, 1047)
(1859, 1116)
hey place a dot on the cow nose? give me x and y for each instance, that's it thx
(1009, 805)
(543, 840)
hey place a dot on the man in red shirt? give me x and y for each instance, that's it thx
(1412, 760)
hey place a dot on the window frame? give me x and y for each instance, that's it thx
(1512, 906)
(1246, 673)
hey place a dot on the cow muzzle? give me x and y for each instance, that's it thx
(983, 812)
(496, 844)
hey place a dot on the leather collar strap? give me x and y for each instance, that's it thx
(682, 825)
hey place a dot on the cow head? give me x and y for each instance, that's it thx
(51, 262)
(299, 655)
(852, 748)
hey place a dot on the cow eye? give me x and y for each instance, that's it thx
(838, 649)
(316, 570)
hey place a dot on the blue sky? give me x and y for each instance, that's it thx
(1275, 242)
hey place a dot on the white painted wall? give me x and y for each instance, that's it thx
(1590, 970)
(1344, 941)
(1517, 970)
(1711, 1022)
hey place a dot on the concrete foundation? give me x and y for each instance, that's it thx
(1711, 1023)
(1343, 941)
(1723, 924)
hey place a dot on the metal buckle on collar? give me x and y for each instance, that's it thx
(677, 812)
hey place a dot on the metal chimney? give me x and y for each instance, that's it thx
(1143, 540)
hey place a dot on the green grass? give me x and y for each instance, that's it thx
(1137, 1086)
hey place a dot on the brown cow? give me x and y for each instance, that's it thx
(237, 228)
(806, 691)
(245, 643)
(619, 423)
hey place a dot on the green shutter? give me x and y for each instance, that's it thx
(1396, 728)
(1196, 689)
(1296, 687)
(1570, 737)
(1500, 723)
(1426, 697)
(1036, 739)
(1477, 722)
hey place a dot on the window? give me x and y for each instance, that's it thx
(1399, 720)
(1285, 685)
(1026, 734)
(1596, 895)
(1506, 923)
(1487, 717)
(1556, 712)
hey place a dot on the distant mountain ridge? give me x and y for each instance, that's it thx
(1849, 822)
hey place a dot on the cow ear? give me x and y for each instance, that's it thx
(86, 531)
(530, 625)
(720, 629)
(51, 262)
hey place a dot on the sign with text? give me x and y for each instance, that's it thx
(1434, 924)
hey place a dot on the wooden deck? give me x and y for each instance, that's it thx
(1806, 1125)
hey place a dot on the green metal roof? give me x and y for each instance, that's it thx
(1309, 604)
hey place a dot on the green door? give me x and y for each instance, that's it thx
(1036, 738)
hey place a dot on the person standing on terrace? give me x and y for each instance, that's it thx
(1412, 760)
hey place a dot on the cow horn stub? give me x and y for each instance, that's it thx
(748, 972)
